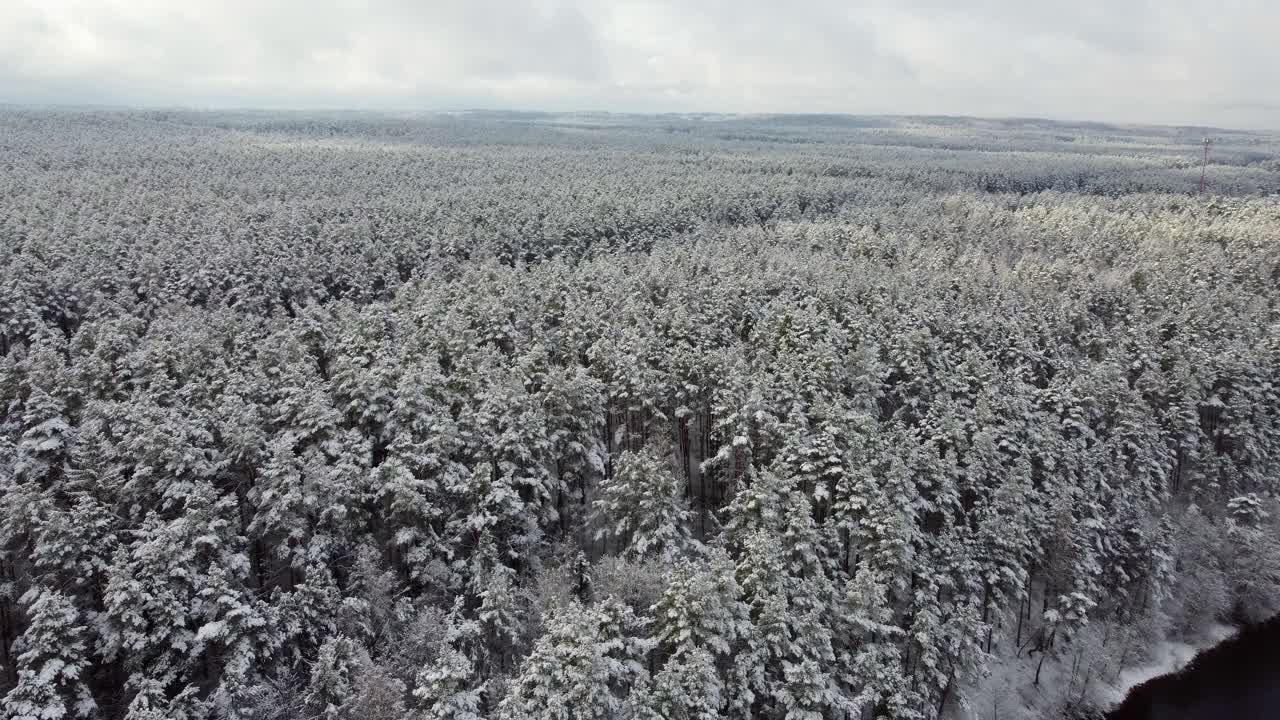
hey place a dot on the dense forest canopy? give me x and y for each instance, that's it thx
(516, 415)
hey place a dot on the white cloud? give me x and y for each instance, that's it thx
(1174, 61)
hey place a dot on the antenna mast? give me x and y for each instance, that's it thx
(1205, 166)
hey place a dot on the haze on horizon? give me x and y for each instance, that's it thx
(1173, 62)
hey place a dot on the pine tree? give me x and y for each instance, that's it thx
(698, 624)
(642, 507)
(580, 667)
(502, 605)
(53, 661)
(449, 688)
(331, 688)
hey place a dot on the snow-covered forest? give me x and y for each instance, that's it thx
(508, 415)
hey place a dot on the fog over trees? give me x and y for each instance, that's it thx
(511, 415)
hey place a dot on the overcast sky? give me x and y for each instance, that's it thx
(1172, 61)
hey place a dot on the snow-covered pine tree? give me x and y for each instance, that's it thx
(581, 666)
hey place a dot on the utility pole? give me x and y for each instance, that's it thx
(1205, 166)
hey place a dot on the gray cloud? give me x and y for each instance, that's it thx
(1127, 60)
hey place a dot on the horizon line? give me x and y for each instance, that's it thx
(193, 108)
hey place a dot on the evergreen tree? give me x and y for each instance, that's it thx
(642, 507)
(53, 661)
(581, 666)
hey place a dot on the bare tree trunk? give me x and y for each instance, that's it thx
(1017, 643)
(608, 463)
(1043, 653)
(986, 610)
(10, 677)
(704, 427)
(946, 694)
